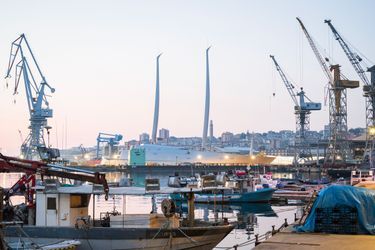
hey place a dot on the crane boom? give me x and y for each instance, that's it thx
(322, 62)
(353, 58)
(31, 168)
(289, 86)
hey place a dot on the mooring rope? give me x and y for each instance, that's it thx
(191, 239)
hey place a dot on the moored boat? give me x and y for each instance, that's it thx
(225, 195)
(62, 215)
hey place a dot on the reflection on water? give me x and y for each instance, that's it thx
(139, 177)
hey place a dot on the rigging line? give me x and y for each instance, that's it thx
(19, 228)
(301, 57)
(162, 227)
(192, 240)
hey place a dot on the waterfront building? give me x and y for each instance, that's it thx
(227, 137)
(144, 138)
(164, 134)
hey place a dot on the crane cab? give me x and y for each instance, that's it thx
(311, 106)
(308, 105)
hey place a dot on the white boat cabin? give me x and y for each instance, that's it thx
(69, 206)
(60, 209)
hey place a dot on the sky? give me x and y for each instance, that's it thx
(100, 56)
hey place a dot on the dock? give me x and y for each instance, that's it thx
(291, 195)
(291, 240)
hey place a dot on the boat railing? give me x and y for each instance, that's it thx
(152, 220)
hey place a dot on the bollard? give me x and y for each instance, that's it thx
(295, 217)
(191, 208)
(256, 240)
(286, 222)
(273, 229)
(235, 247)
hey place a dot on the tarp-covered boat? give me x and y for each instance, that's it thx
(343, 210)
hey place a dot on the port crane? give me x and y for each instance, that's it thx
(338, 151)
(22, 61)
(31, 168)
(368, 90)
(111, 139)
(302, 110)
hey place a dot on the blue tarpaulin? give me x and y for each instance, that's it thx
(337, 195)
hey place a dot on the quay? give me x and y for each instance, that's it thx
(289, 238)
(286, 196)
(292, 240)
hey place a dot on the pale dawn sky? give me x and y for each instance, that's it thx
(100, 58)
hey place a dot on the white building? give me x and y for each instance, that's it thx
(227, 137)
(164, 134)
(144, 138)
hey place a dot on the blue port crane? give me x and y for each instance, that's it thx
(302, 110)
(111, 139)
(368, 90)
(23, 63)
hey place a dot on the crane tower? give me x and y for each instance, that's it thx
(338, 147)
(368, 90)
(24, 65)
(302, 110)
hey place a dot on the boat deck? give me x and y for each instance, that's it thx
(291, 240)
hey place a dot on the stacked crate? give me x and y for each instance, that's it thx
(338, 220)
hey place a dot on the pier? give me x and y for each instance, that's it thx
(290, 240)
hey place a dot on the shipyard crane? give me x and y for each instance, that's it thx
(24, 65)
(302, 110)
(368, 90)
(338, 151)
(111, 139)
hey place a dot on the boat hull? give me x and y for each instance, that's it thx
(125, 238)
(261, 196)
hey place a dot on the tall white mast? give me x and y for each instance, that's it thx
(156, 110)
(207, 103)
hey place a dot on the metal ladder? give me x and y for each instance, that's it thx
(307, 208)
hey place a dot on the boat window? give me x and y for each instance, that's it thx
(79, 200)
(51, 203)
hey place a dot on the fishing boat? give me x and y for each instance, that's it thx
(227, 195)
(62, 214)
(223, 189)
(58, 212)
(234, 190)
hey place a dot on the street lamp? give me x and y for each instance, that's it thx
(371, 130)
